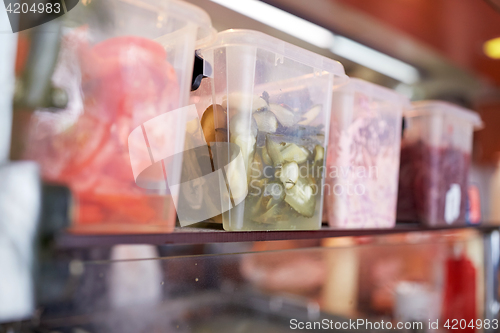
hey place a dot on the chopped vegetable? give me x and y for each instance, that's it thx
(289, 174)
(301, 197)
(293, 153)
(278, 146)
(319, 154)
(273, 149)
(266, 121)
(281, 151)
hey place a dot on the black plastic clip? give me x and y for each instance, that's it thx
(201, 69)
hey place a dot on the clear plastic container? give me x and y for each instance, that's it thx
(435, 160)
(271, 99)
(363, 156)
(122, 64)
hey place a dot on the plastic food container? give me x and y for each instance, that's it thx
(435, 160)
(363, 156)
(122, 63)
(271, 99)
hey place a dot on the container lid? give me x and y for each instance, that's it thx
(444, 108)
(183, 11)
(241, 37)
(376, 91)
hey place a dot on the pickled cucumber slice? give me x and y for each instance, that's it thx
(274, 150)
(301, 197)
(294, 153)
(282, 152)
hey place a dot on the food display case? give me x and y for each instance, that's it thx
(98, 248)
(435, 163)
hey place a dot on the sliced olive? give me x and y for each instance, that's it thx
(301, 197)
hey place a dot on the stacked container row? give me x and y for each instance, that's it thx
(300, 133)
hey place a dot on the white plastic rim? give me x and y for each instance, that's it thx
(434, 108)
(242, 37)
(184, 11)
(373, 90)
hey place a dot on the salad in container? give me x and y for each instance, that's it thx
(272, 100)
